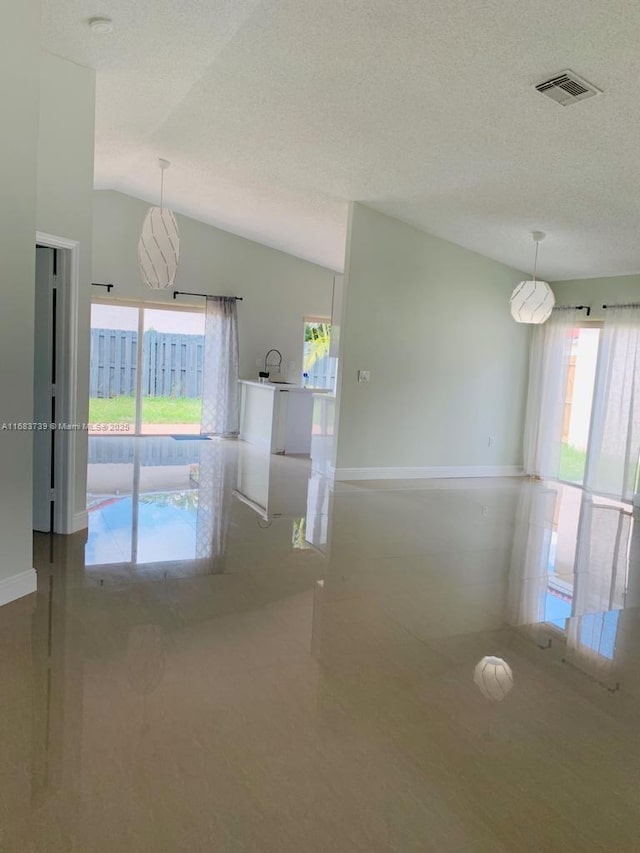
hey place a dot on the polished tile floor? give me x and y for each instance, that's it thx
(239, 658)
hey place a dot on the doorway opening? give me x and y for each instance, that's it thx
(44, 383)
(55, 422)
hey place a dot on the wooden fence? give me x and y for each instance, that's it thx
(171, 364)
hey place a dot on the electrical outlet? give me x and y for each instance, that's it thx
(492, 441)
(485, 510)
(364, 375)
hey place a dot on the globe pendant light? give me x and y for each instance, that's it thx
(493, 677)
(532, 301)
(159, 243)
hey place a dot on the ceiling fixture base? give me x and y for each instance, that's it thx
(101, 26)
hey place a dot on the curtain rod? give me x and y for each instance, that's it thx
(624, 305)
(204, 295)
(99, 284)
(586, 308)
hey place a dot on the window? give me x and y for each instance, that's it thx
(318, 367)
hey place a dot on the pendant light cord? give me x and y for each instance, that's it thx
(535, 261)
(162, 188)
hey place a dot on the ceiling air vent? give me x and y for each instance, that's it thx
(567, 88)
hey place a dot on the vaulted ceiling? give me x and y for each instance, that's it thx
(276, 113)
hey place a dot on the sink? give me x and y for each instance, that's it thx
(280, 382)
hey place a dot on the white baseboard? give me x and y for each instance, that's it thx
(79, 521)
(431, 473)
(24, 583)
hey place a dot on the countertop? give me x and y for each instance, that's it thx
(281, 386)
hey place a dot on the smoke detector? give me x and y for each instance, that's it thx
(567, 88)
(101, 26)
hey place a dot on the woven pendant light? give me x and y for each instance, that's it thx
(493, 677)
(159, 243)
(532, 301)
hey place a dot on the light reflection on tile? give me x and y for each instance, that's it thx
(193, 679)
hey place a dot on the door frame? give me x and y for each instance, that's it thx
(64, 459)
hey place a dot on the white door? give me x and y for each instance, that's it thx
(43, 389)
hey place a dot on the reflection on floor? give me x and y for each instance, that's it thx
(243, 658)
(142, 501)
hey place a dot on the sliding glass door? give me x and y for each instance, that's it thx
(146, 370)
(113, 373)
(171, 393)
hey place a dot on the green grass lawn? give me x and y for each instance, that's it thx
(609, 470)
(155, 410)
(572, 462)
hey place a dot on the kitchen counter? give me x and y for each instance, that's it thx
(282, 386)
(276, 416)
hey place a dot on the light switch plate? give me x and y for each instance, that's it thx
(364, 375)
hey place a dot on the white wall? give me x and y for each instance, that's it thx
(597, 291)
(431, 321)
(19, 59)
(278, 289)
(65, 201)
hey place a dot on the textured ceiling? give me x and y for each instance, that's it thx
(274, 114)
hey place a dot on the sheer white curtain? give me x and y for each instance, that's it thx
(614, 441)
(602, 556)
(600, 587)
(217, 474)
(220, 408)
(530, 557)
(546, 399)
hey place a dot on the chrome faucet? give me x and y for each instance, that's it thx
(266, 361)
